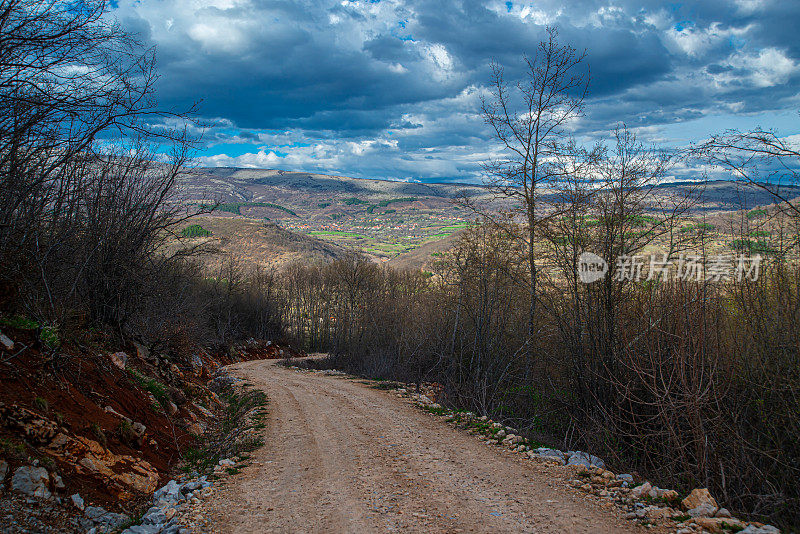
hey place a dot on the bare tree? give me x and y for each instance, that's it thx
(759, 158)
(81, 219)
(67, 75)
(531, 122)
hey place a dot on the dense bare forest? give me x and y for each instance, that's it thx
(85, 208)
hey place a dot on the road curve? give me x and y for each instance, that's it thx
(343, 457)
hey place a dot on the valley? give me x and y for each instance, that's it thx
(273, 218)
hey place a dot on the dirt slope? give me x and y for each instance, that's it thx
(342, 457)
(422, 256)
(254, 242)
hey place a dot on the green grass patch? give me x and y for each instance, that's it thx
(385, 384)
(699, 227)
(49, 336)
(642, 220)
(435, 410)
(19, 322)
(41, 404)
(354, 201)
(336, 233)
(455, 227)
(13, 450)
(757, 213)
(236, 207)
(195, 230)
(750, 246)
(243, 411)
(151, 385)
(384, 203)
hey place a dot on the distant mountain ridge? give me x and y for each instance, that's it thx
(236, 184)
(299, 189)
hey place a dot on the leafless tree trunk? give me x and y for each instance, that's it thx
(531, 121)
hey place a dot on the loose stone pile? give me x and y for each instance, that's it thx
(172, 504)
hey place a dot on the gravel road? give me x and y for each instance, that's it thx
(343, 457)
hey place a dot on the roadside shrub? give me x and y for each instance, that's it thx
(126, 433)
(237, 431)
(41, 404)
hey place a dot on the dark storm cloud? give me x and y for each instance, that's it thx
(393, 86)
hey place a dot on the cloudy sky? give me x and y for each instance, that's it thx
(391, 88)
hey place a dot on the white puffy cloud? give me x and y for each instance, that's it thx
(766, 68)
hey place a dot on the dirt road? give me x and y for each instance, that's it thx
(343, 457)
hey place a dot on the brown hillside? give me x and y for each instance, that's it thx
(423, 256)
(255, 242)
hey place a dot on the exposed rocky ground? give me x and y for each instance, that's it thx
(88, 434)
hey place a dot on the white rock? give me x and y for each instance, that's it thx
(766, 529)
(227, 462)
(585, 459)
(120, 359)
(31, 481)
(6, 342)
(171, 489)
(554, 455)
(77, 501)
(102, 518)
(704, 510)
(639, 491)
